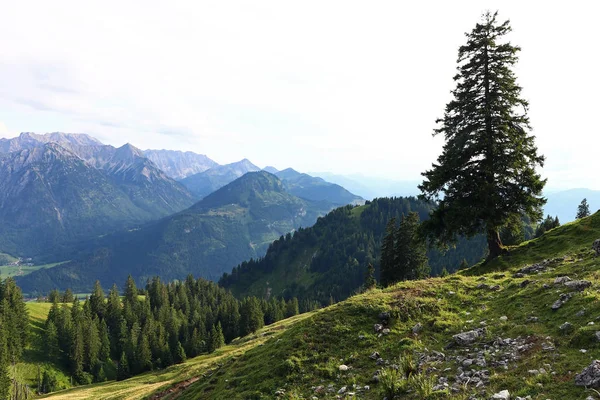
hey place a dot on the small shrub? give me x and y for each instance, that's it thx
(292, 365)
(408, 366)
(390, 381)
(422, 385)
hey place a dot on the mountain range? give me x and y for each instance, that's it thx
(60, 188)
(179, 164)
(236, 223)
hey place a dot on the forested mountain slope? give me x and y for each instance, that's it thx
(235, 223)
(329, 260)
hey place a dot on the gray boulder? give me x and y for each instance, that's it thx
(466, 338)
(596, 247)
(578, 285)
(590, 376)
(502, 395)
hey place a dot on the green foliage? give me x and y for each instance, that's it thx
(123, 368)
(404, 252)
(583, 209)
(216, 338)
(392, 382)
(370, 281)
(328, 260)
(487, 170)
(546, 225)
(49, 382)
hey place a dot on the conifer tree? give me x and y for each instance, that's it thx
(4, 362)
(370, 281)
(123, 368)
(388, 253)
(180, 355)
(143, 355)
(415, 252)
(252, 318)
(216, 338)
(487, 170)
(51, 341)
(292, 307)
(97, 303)
(68, 296)
(583, 210)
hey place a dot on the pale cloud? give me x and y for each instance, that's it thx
(341, 86)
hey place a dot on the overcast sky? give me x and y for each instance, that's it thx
(342, 86)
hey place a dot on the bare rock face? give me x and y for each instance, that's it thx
(590, 376)
(596, 247)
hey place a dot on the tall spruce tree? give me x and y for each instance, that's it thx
(413, 263)
(388, 254)
(583, 210)
(486, 172)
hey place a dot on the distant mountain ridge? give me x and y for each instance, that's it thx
(179, 164)
(206, 182)
(233, 224)
(59, 188)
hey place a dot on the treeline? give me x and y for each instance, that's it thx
(14, 331)
(108, 337)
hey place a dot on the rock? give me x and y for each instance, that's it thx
(384, 316)
(342, 390)
(566, 327)
(578, 285)
(562, 300)
(546, 286)
(378, 328)
(504, 318)
(525, 283)
(590, 376)
(561, 280)
(343, 368)
(502, 395)
(495, 288)
(466, 338)
(375, 356)
(482, 286)
(583, 351)
(518, 275)
(580, 313)
(597, 334)
(386, 331)
(596, 247)
(417, 328)
(532, 319)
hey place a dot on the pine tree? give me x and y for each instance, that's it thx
(123, 368)
(51, 341)
(97, 303)
(131, 292)
(4, 362)
(143, 355)
(583, 210)
(388, 253)
(180, 355)
(416, 262)
(370, 281)
(216, 338)
(252, 317)
(292, 308)
(486, 172)
(68, 296)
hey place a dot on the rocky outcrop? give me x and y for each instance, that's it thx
(590, 376)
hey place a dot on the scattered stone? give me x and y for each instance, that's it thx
(378, 328)
(504, 318)
(546, 286)
(561, 301)
(547, 346)
(280, 392)
(343, 368)
(451, 293)
(495, 288)
(597, 334)
(561, 280)
(578, 285)
(596, 247)
(525, 283)
(482, 286)
(503, 395)
(466, 338)
(386, 331)
(375, 356)
(384, 316)
(532, 319)
(417, 328)
(580, 313)
(590, 376)
(566, 327)
(342, 390)
(583, 351)
(518, 275)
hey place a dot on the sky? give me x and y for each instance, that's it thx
(339, 86)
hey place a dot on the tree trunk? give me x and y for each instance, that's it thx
(494, 243)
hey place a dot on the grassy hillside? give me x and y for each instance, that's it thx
(523, 347)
